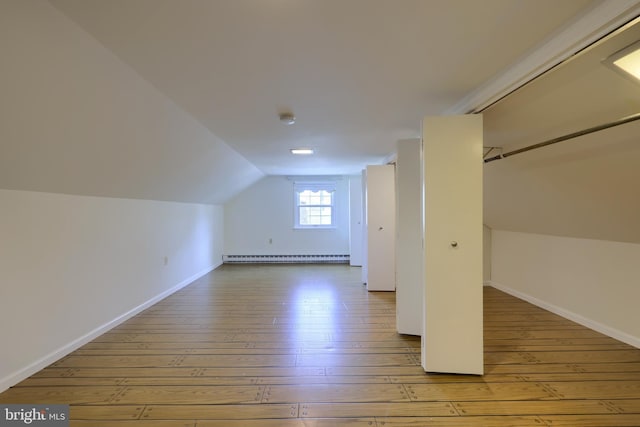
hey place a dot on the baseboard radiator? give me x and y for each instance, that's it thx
(285, 259)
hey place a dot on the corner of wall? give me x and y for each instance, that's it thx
(567, 314)
(45, 361)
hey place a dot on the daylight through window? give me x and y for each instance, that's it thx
(314, 205)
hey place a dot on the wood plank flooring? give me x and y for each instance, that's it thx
(293, 346)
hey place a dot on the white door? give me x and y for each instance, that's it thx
(409, 257)
(355, 221)
(452, 191)
(365, 243)
(381, 233)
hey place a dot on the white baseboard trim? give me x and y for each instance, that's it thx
(584, 321)
(24, 373)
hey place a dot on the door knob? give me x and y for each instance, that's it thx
(454, 244)
(380, 229)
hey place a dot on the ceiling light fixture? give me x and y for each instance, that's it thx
(302, 151)
(626, 61)
(287, 118)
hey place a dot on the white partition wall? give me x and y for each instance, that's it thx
(355, 220)
(365, 255)
(409, 257)
(380, 203)
(452, 190)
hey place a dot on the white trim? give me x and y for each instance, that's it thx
(14, 378)
(595, 24)
(314, 186)
(584, 321)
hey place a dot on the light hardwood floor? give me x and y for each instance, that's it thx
(293, 346)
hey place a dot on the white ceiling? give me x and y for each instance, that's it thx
(583, 187)
(581, 93)
(358, 74)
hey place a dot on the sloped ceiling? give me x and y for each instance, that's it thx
(358, 74)
(74, 119)
(584, 187)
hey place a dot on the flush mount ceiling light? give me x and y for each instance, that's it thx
(626, 61)
(302, 151)
(287, 118)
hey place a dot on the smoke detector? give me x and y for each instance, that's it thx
(287, 118)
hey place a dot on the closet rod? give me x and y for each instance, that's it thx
(552, 141)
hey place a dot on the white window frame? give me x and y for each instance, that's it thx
(299, 187)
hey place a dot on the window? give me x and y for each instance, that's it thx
(314, 204)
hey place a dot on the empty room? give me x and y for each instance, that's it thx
(288, 213)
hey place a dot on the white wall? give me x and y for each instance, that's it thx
(75, 119)
(265, 211)
(73, 266)
(593, 282)
(585, 188)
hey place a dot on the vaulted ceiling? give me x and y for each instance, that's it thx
(179, 100)
(357, 74)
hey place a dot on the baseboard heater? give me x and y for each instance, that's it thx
(285, 259)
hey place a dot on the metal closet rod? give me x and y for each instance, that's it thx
(587, 131)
